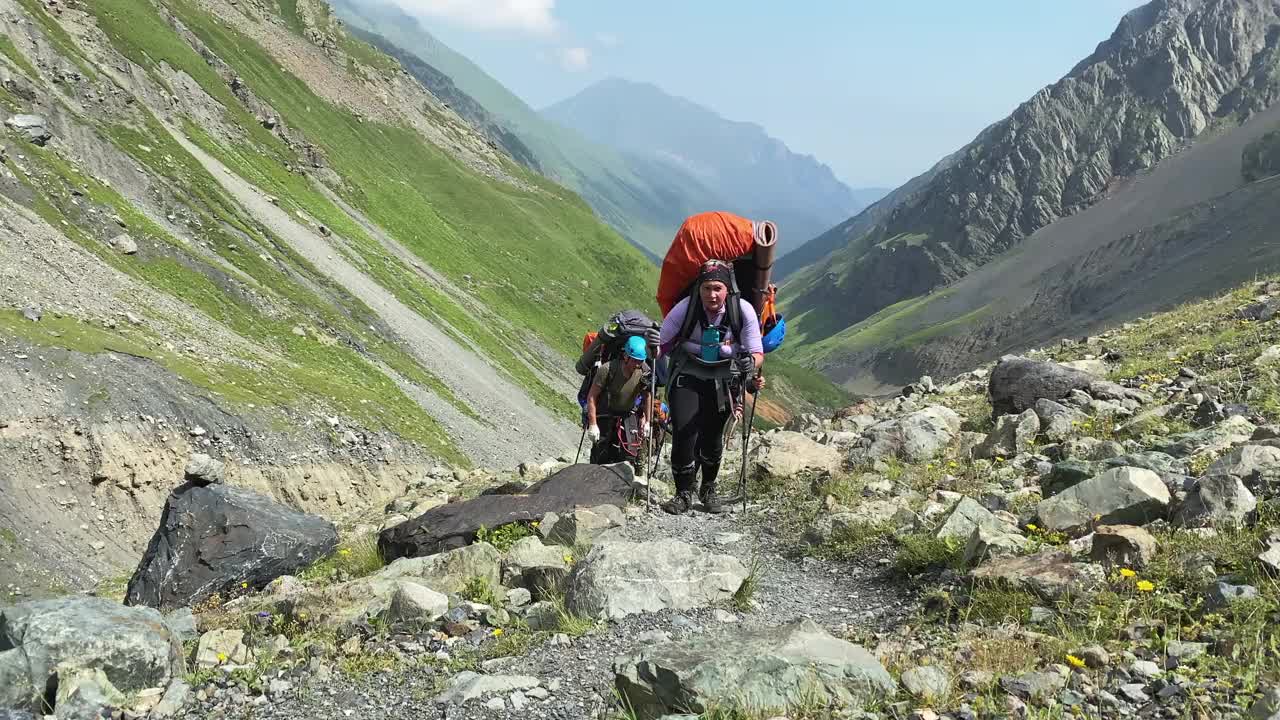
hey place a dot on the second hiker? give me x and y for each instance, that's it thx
(617, 391)
(713, 337)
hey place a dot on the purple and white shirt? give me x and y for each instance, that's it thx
(750, 331)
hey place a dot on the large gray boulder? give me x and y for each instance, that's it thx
(915, 437)
(1119, 496)
(218, 538)
(786, 454)
(618, 578)
(775, 668)
(1247, 462)
(46, 641)
(1016, 384)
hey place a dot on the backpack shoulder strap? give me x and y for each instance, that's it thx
(733, 314)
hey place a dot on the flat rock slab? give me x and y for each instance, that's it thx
(1121, 496)
(1051, 574)
(455, 525)
(618, 578)
(132, 646)
(771, 669)
(219, 538)
(468, 685)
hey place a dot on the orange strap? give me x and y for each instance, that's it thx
(770, 309)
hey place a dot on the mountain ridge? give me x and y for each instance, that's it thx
(1168, 76)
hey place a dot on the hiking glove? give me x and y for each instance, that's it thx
(745, 365)
(594, 432)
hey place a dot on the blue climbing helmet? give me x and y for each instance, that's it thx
(773, 336)
(636, 349)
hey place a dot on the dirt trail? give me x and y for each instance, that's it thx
(521, 429)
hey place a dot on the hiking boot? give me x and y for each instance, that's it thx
(710, 501)
(679, 504)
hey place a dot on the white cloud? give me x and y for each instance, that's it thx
(608, 39)
(575, 58)
(533, 16)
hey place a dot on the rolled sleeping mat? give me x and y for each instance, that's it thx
(765, 250)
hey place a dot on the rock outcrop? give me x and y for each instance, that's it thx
(222, 539)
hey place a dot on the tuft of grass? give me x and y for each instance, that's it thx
(743, 596)
(504, 536)
(479, 590)
(355, 558)
(923, 552)
(9, 50)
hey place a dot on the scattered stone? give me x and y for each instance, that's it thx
(1218, 438)
(785, 454)
(1017, 383)
(1270, 557)
(219, 647)
(1033, 686)
(1123, 546)
(1266, 707)
(32, 127)
(967, 516)
(1128, 496)
(1013, 435)
(581, 526)
(927, 682)
(1247, 462)
(1217, 501)
(986, 542)
(766, 667)
(1222, 594)
(1050, 573)
(414, 603)
(124, 243)
(618, 578)
(203, 470)
(1057, 421)
(916, 437)
(32, 313)
(1093, 656)
(218, 539)
(468, 685)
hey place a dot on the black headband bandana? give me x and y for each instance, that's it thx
(716, 271)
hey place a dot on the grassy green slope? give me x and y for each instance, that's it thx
(524, 252)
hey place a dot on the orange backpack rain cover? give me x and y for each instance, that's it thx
(702, 237)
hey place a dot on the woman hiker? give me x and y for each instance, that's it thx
(707, 353)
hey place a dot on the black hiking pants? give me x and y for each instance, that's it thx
(697, 432)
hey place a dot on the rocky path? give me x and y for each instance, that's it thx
(575, 676)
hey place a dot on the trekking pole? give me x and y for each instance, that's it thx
(648, 441)
(746, 438)
(584, 437)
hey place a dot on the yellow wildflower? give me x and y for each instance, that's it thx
(1033, 527)
(568, 558)
(1146, 585)
(244, 585)
(999, 458)
(344, 552)
(1075, 661)
(222, 657)
(497, 632)
(1126, 572)
(953, 464)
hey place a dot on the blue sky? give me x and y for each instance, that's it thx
(879, 91)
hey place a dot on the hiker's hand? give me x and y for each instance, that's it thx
(745, 365)
(594, 433)
(759, 382)
(644, 431)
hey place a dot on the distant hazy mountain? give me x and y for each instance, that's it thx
(754, 172)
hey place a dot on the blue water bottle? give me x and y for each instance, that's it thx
(711, 344)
